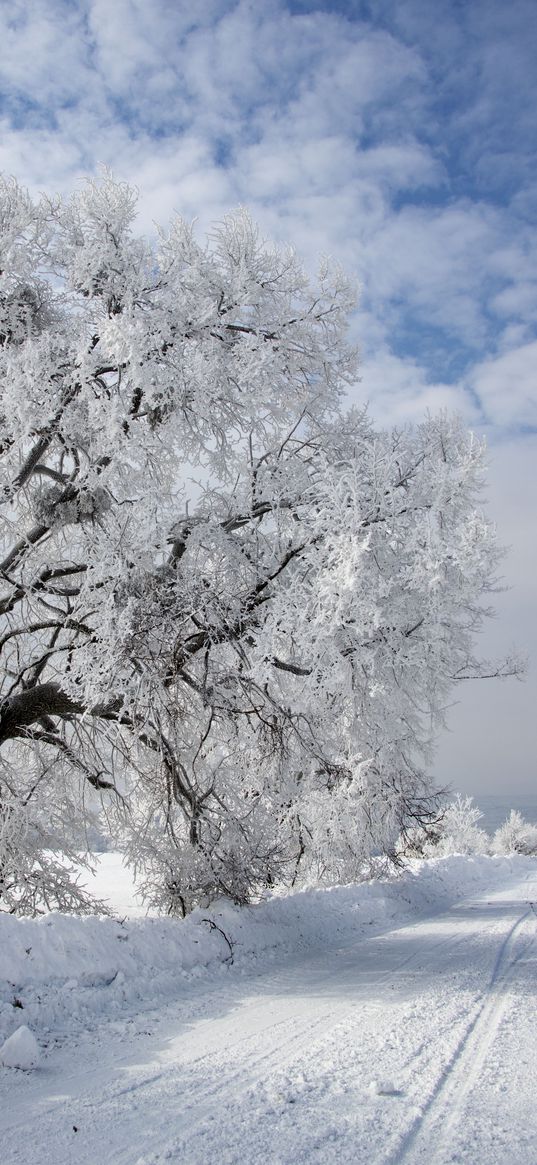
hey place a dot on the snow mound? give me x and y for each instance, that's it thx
(382, 1088)
(20, 1050)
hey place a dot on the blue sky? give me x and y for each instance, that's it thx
(398, 136)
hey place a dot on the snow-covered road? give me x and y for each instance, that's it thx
(415, 1045)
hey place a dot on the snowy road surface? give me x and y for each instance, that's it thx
(416, 1045)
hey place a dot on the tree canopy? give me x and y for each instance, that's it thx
(231, 610)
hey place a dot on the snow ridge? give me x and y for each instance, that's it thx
(59, 972)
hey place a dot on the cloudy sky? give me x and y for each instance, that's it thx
(396, 135)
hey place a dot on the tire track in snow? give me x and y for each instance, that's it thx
(228, 1080)
(431, 1132)
(283, 982)
(157, 1090)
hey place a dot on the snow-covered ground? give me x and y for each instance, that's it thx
(389, 1022)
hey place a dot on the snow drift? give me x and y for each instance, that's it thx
(60, 973)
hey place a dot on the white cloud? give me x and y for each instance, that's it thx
(434, 261)
(44, 52)
(518, 300)
(397, 391)
(506, 386)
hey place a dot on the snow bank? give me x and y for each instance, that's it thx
(60, 973)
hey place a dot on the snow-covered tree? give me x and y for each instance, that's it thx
(515, 836)
(229, 608)
(456, 830)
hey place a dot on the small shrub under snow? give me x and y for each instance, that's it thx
(515, 836)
